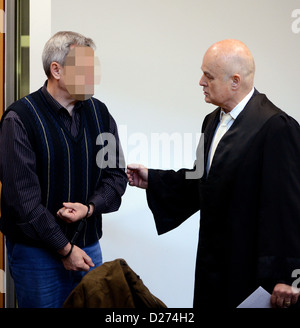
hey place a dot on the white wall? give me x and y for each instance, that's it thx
(151, 53)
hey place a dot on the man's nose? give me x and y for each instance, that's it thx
(202, 81)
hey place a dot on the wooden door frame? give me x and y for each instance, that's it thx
(15, 13)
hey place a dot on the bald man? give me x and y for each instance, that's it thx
(248, 195)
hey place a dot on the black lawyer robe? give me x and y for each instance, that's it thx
(249, 205)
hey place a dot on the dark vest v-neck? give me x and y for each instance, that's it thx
(65, 165)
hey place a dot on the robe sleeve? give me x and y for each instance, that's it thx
(172, 198)
(279, 213)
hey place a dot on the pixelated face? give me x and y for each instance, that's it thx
(81, 72)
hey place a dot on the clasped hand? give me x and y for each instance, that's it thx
(78, 260)
(284, 296)
(72, 212)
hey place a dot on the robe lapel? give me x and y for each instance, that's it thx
(209, 131)
(237, 139)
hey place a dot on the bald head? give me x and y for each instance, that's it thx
(229, 69)
(233, 57)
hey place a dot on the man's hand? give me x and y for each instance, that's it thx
(137, 175)
(72, 212)
(78, 260)
(284, 295)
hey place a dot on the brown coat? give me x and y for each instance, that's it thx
(112, 285)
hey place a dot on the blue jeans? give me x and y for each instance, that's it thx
(40, 279)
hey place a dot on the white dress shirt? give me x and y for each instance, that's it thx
(234, 113)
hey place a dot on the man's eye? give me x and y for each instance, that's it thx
(209, 77)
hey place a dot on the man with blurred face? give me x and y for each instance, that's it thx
(248, 196)
(79, 72)
(54, 193)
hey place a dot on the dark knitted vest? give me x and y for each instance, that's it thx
(66, 166)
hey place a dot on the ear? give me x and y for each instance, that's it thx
(55, 70)
(236, 81)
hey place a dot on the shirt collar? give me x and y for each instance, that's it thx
(240, 106)
(54, 104)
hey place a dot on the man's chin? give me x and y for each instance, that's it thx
(82, 97)
(207, 100)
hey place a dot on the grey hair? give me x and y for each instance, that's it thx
(57, 48)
